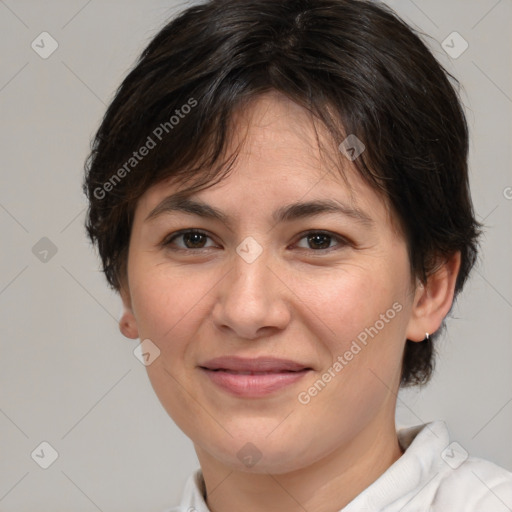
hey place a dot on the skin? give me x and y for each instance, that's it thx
(295, 301)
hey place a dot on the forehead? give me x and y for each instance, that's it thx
(283, 153)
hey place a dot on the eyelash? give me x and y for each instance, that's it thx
(339, 239)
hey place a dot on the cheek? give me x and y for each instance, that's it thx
(170, 305)
(366, 320)
(160, 301)
(169, 308)
(361, 318)
(351, 302)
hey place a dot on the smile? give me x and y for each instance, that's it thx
(253, 378)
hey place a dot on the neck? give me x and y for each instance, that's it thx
(327, 485)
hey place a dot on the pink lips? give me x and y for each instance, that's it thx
(253, 378)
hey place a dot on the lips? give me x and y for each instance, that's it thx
(253, 378)
(257, 365)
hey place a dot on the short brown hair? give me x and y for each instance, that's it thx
(354, 64)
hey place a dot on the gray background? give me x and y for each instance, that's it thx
(68, 376)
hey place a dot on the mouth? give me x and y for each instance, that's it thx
(253, 378)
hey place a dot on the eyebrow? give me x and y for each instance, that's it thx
(288, 213)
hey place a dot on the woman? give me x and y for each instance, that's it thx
(279, 193)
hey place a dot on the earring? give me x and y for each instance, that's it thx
(427, 336)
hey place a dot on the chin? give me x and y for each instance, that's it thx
(261, 454)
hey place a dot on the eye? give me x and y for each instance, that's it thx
(321, 240)
(190, 239)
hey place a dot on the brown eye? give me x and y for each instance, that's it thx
(319, 240)
(190, 239)
(194, 240)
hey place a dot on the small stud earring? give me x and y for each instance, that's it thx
(427, 336)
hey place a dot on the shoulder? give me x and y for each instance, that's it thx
(477, 485)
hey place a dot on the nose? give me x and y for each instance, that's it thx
(252, 300)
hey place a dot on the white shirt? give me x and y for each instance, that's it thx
(432, 475)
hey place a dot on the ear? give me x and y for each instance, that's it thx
(433, 300)
(127, 322)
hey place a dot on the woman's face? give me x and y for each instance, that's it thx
(309, 306)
